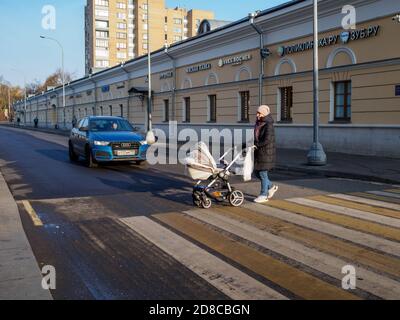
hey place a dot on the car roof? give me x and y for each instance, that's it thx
(105, 118)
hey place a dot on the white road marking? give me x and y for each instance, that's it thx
(348, 211)
(358, 237)
(229, 280)
(385, 194)
(371, 202)
(373, 283)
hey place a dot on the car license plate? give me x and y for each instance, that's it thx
(126, 153)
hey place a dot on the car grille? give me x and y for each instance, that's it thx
(125, 146)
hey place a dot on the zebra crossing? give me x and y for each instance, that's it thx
(287, 249)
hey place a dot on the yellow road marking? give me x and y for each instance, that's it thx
(375, 197)
(32, 213)
(300, 283)
(393, 190)
(314, 239)
(345, 221)
(358, 206)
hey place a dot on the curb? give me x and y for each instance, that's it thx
(20, 276)
(50, 131)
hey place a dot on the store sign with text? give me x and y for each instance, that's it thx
(234, 60)
(345, 37)
(201, 67)
(166, 75)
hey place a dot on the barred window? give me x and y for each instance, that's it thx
(212, 100)
(286, 104)
(343, 101)
(166, 110)
(187, 109)
(245, 106)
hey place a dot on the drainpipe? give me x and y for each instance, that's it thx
(127, 79)
(74, 103)
(95, 93)
(252, 17)
(174, 82)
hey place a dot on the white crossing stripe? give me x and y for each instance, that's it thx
(371, 202)
(226, 278)
(385, 194)
(348, 211)
(373, 283)
(358, 237)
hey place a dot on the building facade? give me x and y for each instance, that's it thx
(214, 80)
(116, 30)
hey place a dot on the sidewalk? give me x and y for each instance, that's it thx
(340, 165)
(20, 277)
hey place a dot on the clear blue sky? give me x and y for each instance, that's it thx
(22, 49)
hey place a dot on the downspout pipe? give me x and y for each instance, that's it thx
(127, 79)
(166, 51)
(95, 93)
(252, 17)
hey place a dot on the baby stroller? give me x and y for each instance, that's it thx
(201, 166)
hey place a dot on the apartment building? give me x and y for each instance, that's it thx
(117, 30)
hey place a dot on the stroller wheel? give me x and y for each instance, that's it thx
(197, 200)
(206, 203)
(236, 198)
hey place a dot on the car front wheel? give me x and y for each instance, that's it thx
(73, 157)
(89, 160)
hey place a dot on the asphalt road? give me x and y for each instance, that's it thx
(84, 235)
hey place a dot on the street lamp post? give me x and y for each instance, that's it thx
(150, 138)
(63, 73)
(316, 156)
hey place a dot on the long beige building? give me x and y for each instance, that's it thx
(215, 79)
(117, 30)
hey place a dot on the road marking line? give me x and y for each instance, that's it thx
(376, 197)
(371, 202)
(32, 213)
(226, 278)
(358, 206)
(385, 194)
(373, 283)
(366, 240)
(347, 211)
(314, 239)
(302, 284)
(344, 221)
(393, 190)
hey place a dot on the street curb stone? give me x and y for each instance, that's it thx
(20, 276)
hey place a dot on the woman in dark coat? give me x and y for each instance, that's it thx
(265, 152)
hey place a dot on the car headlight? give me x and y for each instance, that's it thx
(101, 143)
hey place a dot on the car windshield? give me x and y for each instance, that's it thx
(97, 125)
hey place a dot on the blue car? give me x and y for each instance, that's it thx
(106, 139)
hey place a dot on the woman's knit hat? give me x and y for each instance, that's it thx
(264, 110)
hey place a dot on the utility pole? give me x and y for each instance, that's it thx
(150, 138)
(63, 75)
(316, 156)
